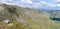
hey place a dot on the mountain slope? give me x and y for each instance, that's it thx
(28, 19)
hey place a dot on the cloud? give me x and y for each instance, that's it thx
(43, 4)
(32, 3)
(58, 0)
(6, 1)
(58, 5)
(10, 2)
(39, 4)
(51, 5)
(27, 1)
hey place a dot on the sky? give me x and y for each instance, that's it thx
(44, 4)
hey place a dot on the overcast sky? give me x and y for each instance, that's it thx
(52, 4)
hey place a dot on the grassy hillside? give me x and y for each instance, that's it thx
(28, 19)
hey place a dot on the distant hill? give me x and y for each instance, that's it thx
(56, 12)
(27, 18)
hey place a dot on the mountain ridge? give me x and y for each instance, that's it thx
(28, 19)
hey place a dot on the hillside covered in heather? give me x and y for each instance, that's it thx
(15, 17)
